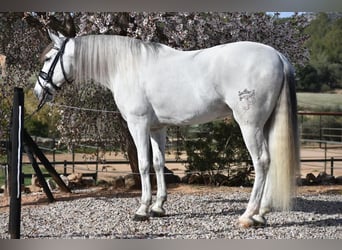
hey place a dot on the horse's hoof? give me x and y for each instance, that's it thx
(245, 222)
(255, 221)
(259, 221)
(138, 217)
(157, 214)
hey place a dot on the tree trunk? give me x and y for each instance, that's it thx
(131, 150)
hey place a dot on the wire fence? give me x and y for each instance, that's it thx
(321, 149)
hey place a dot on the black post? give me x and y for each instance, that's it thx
(16, 163)
(332, 166)
(65, 168)
(325, 157)
(9, 155)
(54, 151)
(97, 161)
(73, 157)
(320, 131)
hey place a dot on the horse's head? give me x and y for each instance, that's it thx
(57, 68)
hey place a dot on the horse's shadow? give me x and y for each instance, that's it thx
(204, 214)
(317, 206)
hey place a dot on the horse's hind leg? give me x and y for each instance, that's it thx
(257, 147)
(158, 138)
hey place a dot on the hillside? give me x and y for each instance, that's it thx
(320, 101)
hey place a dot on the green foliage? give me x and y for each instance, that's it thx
(215, 147)
(324, 71)
(26, 169)
(308, 79)
(42, 123)
(2, 178)
(37, 128)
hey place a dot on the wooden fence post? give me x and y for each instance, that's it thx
(65, 168)
(16, 163)
(332, 166)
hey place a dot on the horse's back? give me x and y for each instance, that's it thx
(199, 86)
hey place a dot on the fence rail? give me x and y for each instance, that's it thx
(327, 138)
(65, 164)
(321, 125)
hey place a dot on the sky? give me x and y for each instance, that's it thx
(284, 14)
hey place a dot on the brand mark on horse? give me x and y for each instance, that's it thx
(247, 97)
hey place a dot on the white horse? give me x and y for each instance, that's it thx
(154, 86)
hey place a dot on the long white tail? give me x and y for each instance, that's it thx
(283, 144)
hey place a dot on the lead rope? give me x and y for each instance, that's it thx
(39, 107)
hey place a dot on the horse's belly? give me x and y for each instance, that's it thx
(191, 113)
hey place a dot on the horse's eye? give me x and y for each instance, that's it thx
(47, 59)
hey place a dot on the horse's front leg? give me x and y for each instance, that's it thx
(158, 138)
(139, 130)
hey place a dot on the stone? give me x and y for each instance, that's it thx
(35, 181)
(310, 179)
(129, 181)
(185, 179)
(51, 184)
(102, 183)
(170, 177)
(338, 180)
(221, 179)
(32, 189)
(65, 180)
(75, 177)
(195, 179)
(325, 179)
(118, 182)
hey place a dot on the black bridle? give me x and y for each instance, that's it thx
(47, 77)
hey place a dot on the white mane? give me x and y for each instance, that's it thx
(100, 57)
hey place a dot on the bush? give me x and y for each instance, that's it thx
(37, 128)
(215, 147)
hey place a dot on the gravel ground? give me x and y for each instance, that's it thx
(190, 216)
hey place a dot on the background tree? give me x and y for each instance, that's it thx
(324, 69)
(186, 31)
(24, 36)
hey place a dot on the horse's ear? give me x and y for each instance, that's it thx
(54, 38)
(60, 35)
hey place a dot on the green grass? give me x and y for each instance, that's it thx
(27, 169)
(319, 102)
(2, 178)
